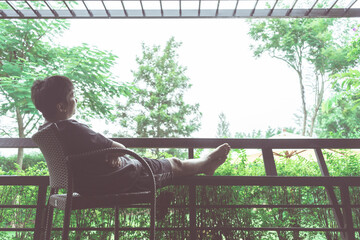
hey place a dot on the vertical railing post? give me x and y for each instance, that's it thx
(191, 153)
(269, 162)
(348, 221)
(330, 191)
(117, 223)
(192, 202)
(40, 207)
(192, 211)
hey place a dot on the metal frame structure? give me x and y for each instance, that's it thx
(347, 229)
(174, 9)
(125, 9)
(341, 206)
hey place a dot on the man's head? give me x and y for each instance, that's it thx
(54, 97)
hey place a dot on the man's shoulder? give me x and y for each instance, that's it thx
(71, 124)
(63, 124)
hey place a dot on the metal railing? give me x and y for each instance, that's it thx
(342, 210)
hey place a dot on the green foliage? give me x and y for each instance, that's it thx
(25, 54)
(355, 45)
(157, 107)
(310, 48)
(8, 164)
(223, 130)
(20, 195)
(90, 70)
(350, 80)
(339, 116)
(340, 163)
(28, 52)
(268, 133)
(343, 163)
(238, 165)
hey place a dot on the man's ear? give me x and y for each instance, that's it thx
(61, 107)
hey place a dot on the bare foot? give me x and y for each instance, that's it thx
(216, 158)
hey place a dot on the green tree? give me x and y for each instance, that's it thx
(350, 80)
(340, 113)
(28, 52)
(268, 133)
(157, 108)
(310, 48)
(223, 127)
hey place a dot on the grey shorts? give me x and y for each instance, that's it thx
(162, 173)
(131, 177)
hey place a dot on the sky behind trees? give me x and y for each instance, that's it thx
(252, 93)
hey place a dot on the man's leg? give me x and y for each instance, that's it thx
(206, 165)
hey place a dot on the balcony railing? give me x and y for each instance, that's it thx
(200, 204)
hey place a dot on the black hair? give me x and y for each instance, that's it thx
(47, 93)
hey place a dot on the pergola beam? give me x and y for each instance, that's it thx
(61, 9)
(181, 13)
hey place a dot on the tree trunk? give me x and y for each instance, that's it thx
(319, 95)
(20, 157)
(21, 129)
(303, 102)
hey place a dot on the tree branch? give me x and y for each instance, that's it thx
(40, 36)
(28, 122)
(24, 43)
(33, 127)
(287, 62)
(5, 133)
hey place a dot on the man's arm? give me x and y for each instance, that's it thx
(113, 159)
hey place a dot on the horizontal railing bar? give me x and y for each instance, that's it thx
(211, 143)
(258, 206)
(216, 181)
(17, 229)
(257, 229)
(17, 143)
(18, 206)
(77, 229)
(35, 206)
(217, 228)
(197, 229)
(211, 206)
(24, 180)
(275, 229)
(132, 0)
(104, 229)
(270, 181)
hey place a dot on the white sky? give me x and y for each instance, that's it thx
(253, 93)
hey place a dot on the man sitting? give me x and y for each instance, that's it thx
(54, 98)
